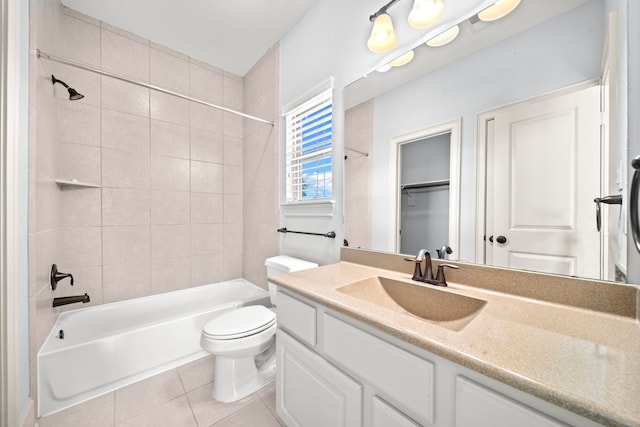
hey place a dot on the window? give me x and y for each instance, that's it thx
(309, 140)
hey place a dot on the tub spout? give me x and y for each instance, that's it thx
(70, 300)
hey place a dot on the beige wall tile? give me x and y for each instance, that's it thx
(125, 132)
(122, 206)
(126, 244)
(170, 207)
(169, 241)
(168, 139)
(124, 97)
(206, 239)
(80, 162)
(124, 169)
(232, 124)
(126, 281)
(80, 207)
(206, 208)
(170, 274)
(232, 151)
(207, 146)
(169, 173)
(232, 91)
(206, 177)
(79, 123)
(205, 117)
(80, 41)
(47, 203)
(80, 247)
(232, 208)
(168, 108)
(232, 180)
(124, 56)
(205, 84)
(206, 269)
(169, 71)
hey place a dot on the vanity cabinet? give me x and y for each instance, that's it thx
(336, 371)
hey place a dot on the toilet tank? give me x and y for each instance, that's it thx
(283, 264)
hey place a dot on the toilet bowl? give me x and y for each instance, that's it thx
(243, 340)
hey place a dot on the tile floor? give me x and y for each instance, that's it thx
(180, 397)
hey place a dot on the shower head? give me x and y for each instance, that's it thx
(73, 94)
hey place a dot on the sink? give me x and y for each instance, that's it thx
(434, 305)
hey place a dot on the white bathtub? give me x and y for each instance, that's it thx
(113, 345)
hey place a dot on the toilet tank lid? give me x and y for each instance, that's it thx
(288, 263)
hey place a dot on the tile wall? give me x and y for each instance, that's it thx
(357, 174)
(167, 208)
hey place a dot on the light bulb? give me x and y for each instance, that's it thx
(445, 37)
(498, 10)
(402, 59)
(425, 13)
(382, 36)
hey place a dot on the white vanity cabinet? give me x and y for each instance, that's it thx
(336, 371)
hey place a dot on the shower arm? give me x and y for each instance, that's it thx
(85, 67)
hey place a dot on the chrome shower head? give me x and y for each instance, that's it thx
(73, 94)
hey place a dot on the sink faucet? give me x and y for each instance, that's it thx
(427, 277)
(443, 251)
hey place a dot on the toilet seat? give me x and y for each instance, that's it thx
(239, 323)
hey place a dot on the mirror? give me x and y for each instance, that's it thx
(543, 47)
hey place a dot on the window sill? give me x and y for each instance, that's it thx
(309, 208)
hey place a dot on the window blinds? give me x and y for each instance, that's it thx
(309, 153)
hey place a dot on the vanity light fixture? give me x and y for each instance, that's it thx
(382, 37)
(445, 37)
(425, 13)
(384, 68)
(498, 10)
(403, 59)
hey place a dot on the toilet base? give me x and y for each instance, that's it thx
(236, 378)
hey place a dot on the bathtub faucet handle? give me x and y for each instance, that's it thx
(56, 276)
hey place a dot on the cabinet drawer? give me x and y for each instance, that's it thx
(403, 380)
(477, 405)
(311, 392)
(297, 317)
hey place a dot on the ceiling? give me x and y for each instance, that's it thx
(232, 35)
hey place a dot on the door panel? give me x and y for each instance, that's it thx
(544, 156)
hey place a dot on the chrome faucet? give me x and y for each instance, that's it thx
(427, 277)
(443, 251)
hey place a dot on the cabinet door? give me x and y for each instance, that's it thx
(477, 405)
(310, 392)
(384, 415)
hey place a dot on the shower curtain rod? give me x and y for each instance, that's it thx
(54, 58)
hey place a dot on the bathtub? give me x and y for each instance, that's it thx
(112, 345)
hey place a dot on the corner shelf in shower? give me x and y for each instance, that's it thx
(75, 183)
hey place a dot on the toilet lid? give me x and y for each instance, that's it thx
(240, 322)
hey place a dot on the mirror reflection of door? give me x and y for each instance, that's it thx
(424, 193)
(541, 158)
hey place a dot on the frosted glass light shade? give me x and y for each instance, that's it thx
(425, 13)
(445, 37)
(382, 36)
(384, 68)
(402, 59)
(499, 10)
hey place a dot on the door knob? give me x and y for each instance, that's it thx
(501, 239)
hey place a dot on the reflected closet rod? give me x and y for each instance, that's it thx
(54, 58)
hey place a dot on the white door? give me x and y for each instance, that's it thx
(545, 160)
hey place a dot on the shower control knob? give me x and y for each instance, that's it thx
(501, 239)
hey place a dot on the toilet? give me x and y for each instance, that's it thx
(243, 340)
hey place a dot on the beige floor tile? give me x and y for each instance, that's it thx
(96, 412)
(254, 414)
(174, 413)
(147, 394)
(268, 396)
(197, 373)
(209, 411)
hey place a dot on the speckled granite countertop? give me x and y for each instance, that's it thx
(586, 360)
